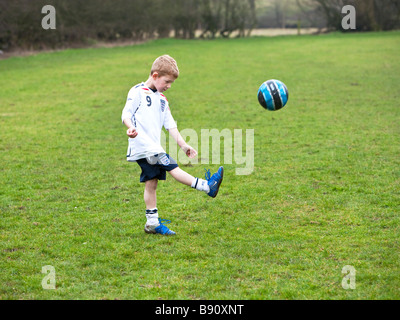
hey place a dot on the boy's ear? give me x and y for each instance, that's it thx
(155, 75)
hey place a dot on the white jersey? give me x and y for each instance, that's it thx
(149, 112)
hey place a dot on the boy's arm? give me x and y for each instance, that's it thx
(131, 132)
(131, 105)
(190, 152)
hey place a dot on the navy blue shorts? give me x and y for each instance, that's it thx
(156, 167)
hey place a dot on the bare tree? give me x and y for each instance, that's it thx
(211, 13)
(280, 8)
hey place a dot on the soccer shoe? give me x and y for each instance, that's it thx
(161, 229)
(214, 181)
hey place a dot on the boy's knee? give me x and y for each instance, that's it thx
(151, 184)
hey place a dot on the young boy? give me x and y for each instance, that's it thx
(145, 113)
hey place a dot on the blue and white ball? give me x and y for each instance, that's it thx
(273, 95)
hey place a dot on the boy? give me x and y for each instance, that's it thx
(145, 113)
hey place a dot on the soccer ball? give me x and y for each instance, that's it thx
(273, 95)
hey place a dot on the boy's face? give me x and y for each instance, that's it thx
(162, 83)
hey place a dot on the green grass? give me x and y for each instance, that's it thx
(324, 192)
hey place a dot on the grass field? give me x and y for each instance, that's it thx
(324, 192)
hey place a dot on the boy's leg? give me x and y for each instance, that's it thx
(150, 199)
(183, 177)
(210, 185)
(150, 194)
(153, 224)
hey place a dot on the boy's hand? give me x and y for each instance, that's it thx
(131, 132)
(189, 151)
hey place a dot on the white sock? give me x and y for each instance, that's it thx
(201, 185)
(152, 217)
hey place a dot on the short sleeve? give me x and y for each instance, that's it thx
(131, 105)
(169, 122)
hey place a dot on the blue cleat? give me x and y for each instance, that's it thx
(161, 229)
(214, 181)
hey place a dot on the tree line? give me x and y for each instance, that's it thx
(80, 21)
(86, 21)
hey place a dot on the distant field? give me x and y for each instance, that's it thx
(267, 32)
(324, 192)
